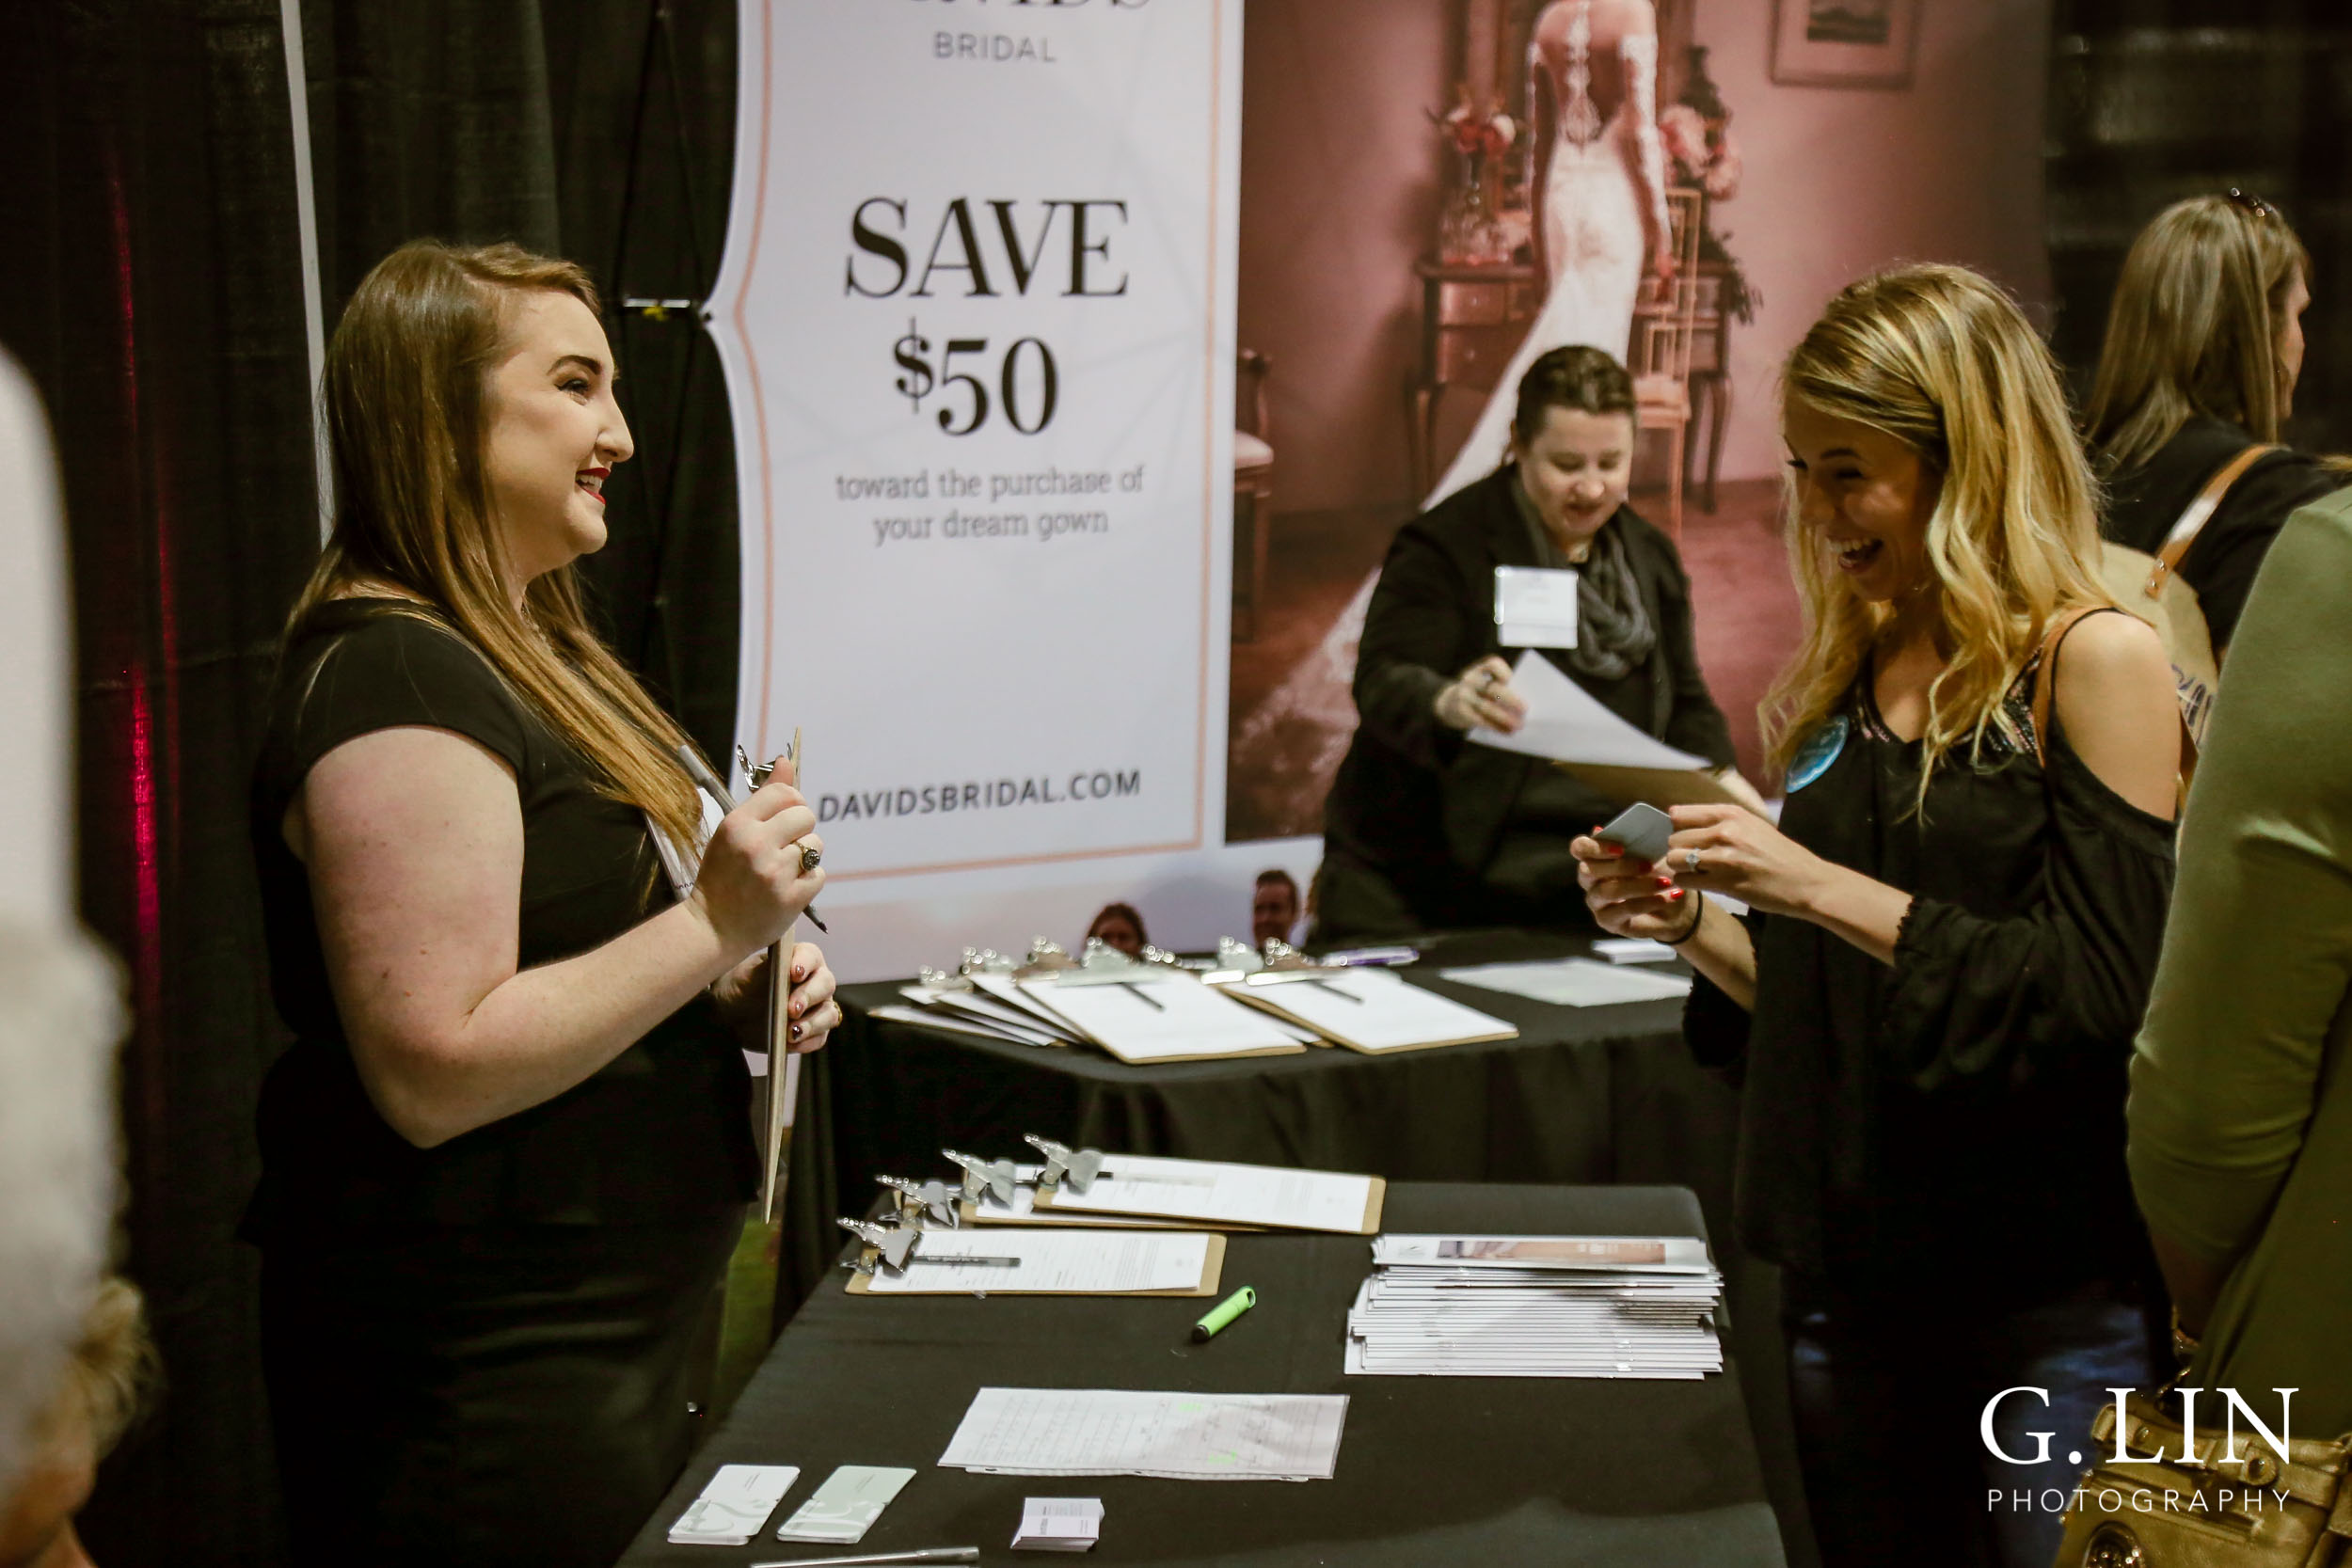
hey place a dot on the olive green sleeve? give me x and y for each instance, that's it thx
(2258, 954)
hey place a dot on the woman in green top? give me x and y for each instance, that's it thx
(2241, 1107)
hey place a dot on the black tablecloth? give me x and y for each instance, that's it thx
(1542, 1471)
(1583, 1095)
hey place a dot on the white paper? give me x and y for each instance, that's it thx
(734, 1506)
(1374, 1009)
(1018, 1021)
(1113, 1431)
(1163, 1019)
(1633, 950)
(1535, 606)
(1069, 1262)
(962, 1023)
(1211, 1192)
(1572, 982)
(845, 1507)
(1058, 1525)
(1647, 1255)
(1022, 1210)
(1567, 724)
(1476, 1306)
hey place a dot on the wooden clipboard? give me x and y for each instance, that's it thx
(1375, 1196)
(1295, 1048)
(1211, 1274)
(971, 1214)
(1263, 998)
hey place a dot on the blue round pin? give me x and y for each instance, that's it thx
(1820, 749)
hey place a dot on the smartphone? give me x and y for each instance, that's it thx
(1642, 830)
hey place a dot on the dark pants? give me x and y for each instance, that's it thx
(487, 1395)
(1889, 1403)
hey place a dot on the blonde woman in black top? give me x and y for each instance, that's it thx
(1955, 926)
(505, 1162)
(2205, 346)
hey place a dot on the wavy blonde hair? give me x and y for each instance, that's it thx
(1944, 362)
(408, 414)
(2194, 327)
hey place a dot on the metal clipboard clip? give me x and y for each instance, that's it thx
(892, 1248)
(934, 1200)
(1076, 1167)
(994, 1179)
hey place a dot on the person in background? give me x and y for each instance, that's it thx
(1119, 925)
(505, 1161)
(1956, 923)
(106, 1381)
(1273, 907)
(2241, 1107)
(2205, 345)
(1425, 831)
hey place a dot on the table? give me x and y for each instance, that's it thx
(1590, 1095)
(1431, 1471)
(1585, 1095)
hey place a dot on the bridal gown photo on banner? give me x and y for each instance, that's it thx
(1599, 191)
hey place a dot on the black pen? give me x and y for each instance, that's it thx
(1342, 995)
(1142, 995)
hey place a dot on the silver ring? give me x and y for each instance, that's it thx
(811, 857)
(1690, 860)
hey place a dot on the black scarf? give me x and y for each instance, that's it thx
(1614, 631)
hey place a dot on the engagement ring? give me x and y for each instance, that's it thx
(1690, 860)
(811, 857)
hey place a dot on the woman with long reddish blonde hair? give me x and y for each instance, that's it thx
(504, 1163)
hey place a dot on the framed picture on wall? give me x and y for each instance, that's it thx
(1844, 43)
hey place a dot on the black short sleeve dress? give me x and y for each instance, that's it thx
(477, 1352)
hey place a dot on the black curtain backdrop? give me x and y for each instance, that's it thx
(151, 283)
(2151, 101)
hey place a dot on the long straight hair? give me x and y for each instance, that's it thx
(407, 412)
(2194, 327)
(1944, 362)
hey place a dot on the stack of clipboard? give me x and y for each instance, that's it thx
(1090, 1223)
(1149, 1013)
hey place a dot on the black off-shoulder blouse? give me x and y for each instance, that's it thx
(1958, 1117)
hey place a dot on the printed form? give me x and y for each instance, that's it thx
(1214, 1192)
(1054, 1262)
(1116, 1431)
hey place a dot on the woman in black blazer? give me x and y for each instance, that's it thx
(1424, 831)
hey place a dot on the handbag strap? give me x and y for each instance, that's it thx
(2045, 675)
(2200, 512)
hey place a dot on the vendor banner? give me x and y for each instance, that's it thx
(974, 314)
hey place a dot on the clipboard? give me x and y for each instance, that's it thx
(970, 1213)
(1376, 1196)
(1157, 993)
(1268, 997)
(1212, 1275)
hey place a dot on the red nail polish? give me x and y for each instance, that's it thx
(1675, 896)
(1664, 881)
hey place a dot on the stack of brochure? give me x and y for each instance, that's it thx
(1538, 1306)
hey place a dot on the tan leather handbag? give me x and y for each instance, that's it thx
(2151, 588)
(2264, 1509)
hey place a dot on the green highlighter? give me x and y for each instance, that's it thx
(1224, 1313)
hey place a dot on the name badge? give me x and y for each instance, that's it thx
(1535, 606)
(1820, 749)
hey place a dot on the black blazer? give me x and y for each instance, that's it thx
(1413, 799)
